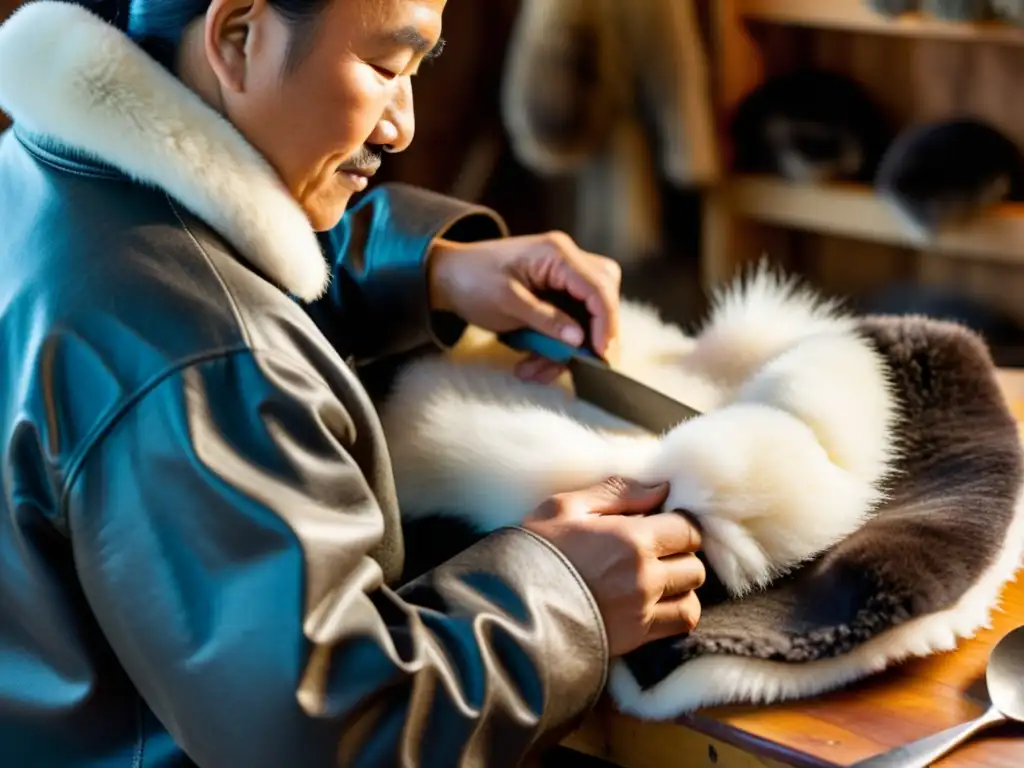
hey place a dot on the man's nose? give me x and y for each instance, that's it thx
(397, 127)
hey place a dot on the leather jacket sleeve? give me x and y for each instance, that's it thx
(378, 302)
(221, 529)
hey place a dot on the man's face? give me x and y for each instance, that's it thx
(324, 122)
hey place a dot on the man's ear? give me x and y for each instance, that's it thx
(228, 38)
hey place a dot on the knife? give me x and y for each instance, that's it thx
(593, 379)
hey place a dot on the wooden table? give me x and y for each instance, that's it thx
(903, 704)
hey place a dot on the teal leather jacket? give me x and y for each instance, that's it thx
(199, 537)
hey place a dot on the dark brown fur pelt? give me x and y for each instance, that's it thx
(950, 504)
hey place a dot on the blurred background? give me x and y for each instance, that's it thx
(505, 58)
(874, 154)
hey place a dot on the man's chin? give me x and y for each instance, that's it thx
(323, 215)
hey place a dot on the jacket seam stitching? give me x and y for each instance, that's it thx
(213, 268)
(123, 406)
(300, 367)
(62, 165)
(229, 295)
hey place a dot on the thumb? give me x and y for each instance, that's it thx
(543, 317)
(622, 496)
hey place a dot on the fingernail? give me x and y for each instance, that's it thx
(646, 488)
(527, 369)
(570, 334)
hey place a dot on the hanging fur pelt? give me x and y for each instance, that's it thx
(615, 94)
(856, 481)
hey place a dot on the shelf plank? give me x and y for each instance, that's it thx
(857, 16)
(854, 211)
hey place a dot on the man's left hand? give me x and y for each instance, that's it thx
(492, 284)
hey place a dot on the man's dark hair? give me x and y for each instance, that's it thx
(157, 25)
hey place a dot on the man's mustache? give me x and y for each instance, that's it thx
(365, 162)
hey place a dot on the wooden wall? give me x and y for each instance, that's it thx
(912, 79)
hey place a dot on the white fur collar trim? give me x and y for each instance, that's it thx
(69, 75)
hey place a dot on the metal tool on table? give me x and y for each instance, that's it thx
(1005, 680)
(593, 379)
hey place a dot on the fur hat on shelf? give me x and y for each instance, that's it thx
(616, 96)
(941, 173)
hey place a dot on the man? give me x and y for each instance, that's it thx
(200, 537)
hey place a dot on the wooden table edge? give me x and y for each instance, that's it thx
(693, 734)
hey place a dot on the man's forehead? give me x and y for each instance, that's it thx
(412, 24)
(423, 16)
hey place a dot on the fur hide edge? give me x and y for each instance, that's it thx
(92, 89)
(469, 441)
(798, 418)
(722, 679)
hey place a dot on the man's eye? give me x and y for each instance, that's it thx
(386, 72)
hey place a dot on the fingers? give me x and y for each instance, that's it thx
(621, 496)
(674, 616)
(681, 574)
(615, 496)
(671, 533)
(596, 281)
(592, 279)
(601, 297)
(543, 317)
(538, 369)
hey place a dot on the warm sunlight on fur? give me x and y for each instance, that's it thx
(788, 458)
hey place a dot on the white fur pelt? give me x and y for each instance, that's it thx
(788, 457)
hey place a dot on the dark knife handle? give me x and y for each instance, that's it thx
(575, 309)
(529, 340)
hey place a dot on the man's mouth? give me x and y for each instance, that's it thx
(358, 177)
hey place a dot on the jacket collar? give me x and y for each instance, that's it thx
(92, 92)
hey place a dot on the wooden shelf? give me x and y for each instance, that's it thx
(854, 211)
(857, 16)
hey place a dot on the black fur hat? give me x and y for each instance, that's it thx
(810, 125)
(936, 174)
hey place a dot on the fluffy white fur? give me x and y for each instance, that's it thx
(94, 90)
(787, 458)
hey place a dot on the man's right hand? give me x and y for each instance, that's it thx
(639, 566)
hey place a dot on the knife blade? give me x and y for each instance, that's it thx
(594, 380)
